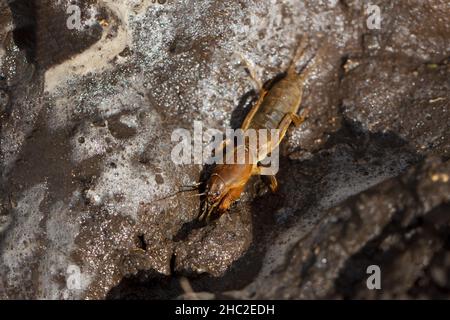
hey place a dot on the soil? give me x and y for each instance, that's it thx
(87, 116)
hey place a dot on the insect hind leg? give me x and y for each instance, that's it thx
(299, 53)
(259, 85)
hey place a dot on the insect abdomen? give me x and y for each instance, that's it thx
(284, 97)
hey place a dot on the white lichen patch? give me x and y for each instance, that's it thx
(24, 240)
(61, 278)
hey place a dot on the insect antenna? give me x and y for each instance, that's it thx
(189, 187)
(184, 188)
(197, 195)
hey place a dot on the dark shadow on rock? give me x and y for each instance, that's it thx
(40, 29)
(434, 227)
(24, 19)
(187, 228)
(240, 112)
(146, 285)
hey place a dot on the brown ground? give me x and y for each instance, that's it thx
(86, 120)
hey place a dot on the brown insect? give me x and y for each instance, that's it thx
(276, 108)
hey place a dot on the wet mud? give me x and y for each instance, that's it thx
(86, 121)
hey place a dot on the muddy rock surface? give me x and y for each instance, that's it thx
(87, 111)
